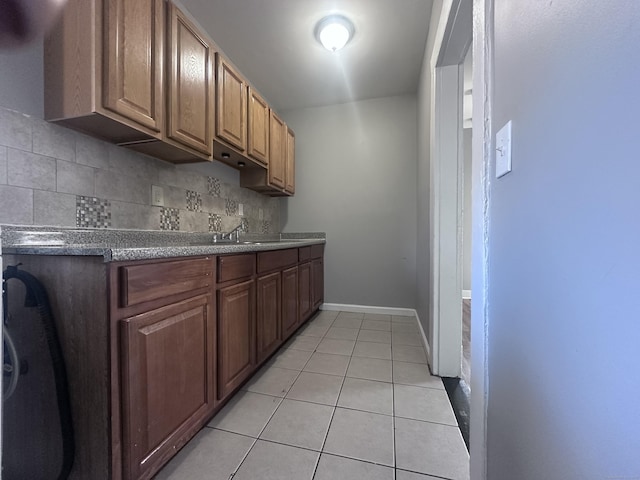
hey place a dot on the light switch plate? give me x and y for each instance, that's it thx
(157, 196)
(260, 214)
(503, 150)
(240, 209)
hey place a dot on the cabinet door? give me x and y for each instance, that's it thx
(269, 306)
(132, 84)
(258, 128)
(277, 149)
(304, 291)
(190, 84)
(231, 104)
(317, 269)
(167, 381)
(236, 336)
(290, 167)
(289, 301)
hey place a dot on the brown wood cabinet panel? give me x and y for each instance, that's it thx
(290, 166)
(317, 251)
(277, 150)
(167, 381)
(276, 260)
(317, 269)
(236, 336)
(289, 301)
(231, 104)
(304, 254)
(143, 283)
(133, 59)
(258, 128)
(234, 267)
(305, 300)
(268, 314)
(77, 291)
(190, 84)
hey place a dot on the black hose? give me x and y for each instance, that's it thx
(36, 294)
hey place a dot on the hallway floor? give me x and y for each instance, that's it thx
(350, 396)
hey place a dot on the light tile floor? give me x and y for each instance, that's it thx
(348, 397)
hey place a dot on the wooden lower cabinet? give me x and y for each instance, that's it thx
(155, 347)
(236, 336)
(268, 315)
(168, 373)
(290, 317)
(305, 300)
(317, 275)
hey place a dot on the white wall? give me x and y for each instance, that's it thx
(356, 181)
(563, 333)
(466, 210)
(423, 249)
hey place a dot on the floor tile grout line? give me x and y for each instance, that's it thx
(270, 417)
(424, 474)
(333, 413)
(393, 389)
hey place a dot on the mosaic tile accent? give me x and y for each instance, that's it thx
(215, 222)
(266, 226)
(92, 212)
(213, 186)
(194, 201)
(169, 219)
(244, 225)
(231, 207)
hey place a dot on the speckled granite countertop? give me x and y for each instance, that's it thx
(120, 245)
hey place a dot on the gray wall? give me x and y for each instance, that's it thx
(563, 333)
(21, 79)
(356, 181)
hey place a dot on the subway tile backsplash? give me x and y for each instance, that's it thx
(54, 176)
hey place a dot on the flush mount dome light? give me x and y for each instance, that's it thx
(334, 32)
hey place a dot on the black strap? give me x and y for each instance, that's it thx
(36, 296)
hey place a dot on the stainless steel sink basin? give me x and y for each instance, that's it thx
(260, 242)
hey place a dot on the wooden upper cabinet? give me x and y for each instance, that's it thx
(103, 68)
(277, 150)
(133, 50)
(190, 84)
(290, 166)
(231, 104)
(258, 128)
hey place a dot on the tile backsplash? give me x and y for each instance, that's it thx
(50, 175)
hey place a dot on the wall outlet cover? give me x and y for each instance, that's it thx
(503, 150)
(157, 196)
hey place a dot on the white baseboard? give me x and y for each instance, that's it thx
(427, 347)
(401, 312)
(466, 294)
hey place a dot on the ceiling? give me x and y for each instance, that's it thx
(272, 43)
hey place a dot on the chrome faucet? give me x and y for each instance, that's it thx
(232, 236)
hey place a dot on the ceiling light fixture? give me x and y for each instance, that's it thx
(334, 32)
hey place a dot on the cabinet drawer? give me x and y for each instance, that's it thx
(317, 251)
(233, 267)
(152, 281)
(304, 254)
(276, 260)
